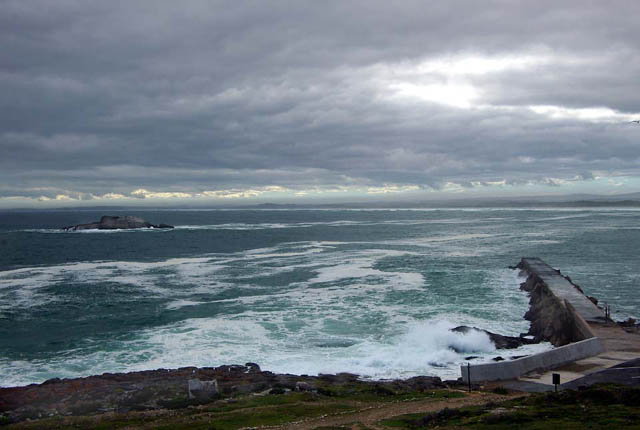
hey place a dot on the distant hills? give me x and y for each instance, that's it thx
(547, 201)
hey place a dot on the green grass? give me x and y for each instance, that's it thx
(380, 393)
(245, 411)
(599, 407)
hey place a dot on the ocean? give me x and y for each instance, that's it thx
(372, 292)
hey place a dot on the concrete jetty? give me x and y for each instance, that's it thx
(563, 289)
(590, 347)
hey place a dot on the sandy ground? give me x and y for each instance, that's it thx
(372, 415)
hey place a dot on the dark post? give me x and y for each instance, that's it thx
(556, 380)
(469, 375)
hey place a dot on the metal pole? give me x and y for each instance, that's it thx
(469, 375)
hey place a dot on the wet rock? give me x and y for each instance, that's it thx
(500, 341)
(630, 325)
(629, 322)
(253, 367)
(339, 378)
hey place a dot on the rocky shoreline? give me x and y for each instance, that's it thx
(178, 388)
(188, 386)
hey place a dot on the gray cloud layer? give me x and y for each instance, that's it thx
(109, 97)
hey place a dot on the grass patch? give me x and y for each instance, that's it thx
(598, 407)
(381, 393)
(245, 410)
(272, 416)
(500, 390)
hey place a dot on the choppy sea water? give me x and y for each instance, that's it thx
(372, 292)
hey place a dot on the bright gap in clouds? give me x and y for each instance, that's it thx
(449, 94)
(596, 114)
(449, 80)
(477, 65)
(452, 81)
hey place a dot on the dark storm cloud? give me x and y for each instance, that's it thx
(109, 97)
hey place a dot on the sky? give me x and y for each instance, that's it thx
(227, 102)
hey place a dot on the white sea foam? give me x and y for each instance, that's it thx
(543, 242)
(277, 253)
(345, 315)
(563, 217)
(422, 348)
(359, 265)
(23, 288)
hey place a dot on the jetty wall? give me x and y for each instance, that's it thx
(558, 309)
(512, 369)
(559, 313)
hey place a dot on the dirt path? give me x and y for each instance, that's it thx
(371, 415)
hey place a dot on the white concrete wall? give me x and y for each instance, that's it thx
(503, 370)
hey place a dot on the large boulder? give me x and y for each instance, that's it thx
(116, 223)
(500, 341)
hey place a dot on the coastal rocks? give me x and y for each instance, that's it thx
(500, 341)
(116, 223)
(423, 383)
(179, 388)
(629, 322)
(253, 367)
(630, 325)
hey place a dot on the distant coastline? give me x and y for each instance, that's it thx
(473, 203)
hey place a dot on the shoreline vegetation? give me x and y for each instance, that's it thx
(351, 404)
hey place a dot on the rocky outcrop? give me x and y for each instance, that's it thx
(116, 223)
(500, 341)
(179, 388)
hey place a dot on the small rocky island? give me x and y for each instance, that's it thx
(116, 223)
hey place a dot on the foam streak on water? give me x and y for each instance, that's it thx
(369, 292)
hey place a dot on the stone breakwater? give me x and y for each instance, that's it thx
(559, 311)
(591, 348)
